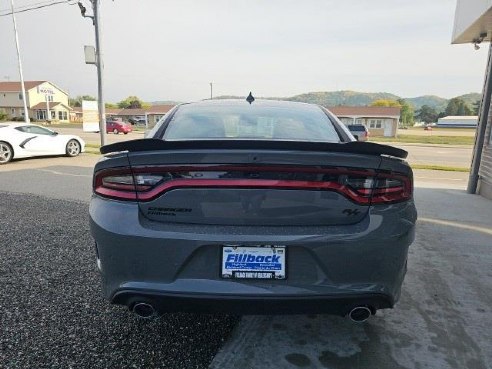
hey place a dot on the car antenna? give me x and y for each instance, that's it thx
(250, 98)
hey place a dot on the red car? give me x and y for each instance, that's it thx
(117, 127)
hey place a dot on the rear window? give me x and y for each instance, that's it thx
(357, 128)
(251, 122)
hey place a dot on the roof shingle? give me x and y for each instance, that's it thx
(365, 110)
(16, 86)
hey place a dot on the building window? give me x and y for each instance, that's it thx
(62, 115)
(375, 123)
(20, 96)
(41, 114)
(53, 114)
(12, 111)
(50, 98)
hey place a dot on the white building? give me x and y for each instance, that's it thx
(465, 121)
(39, 94)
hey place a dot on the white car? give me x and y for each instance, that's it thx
(23, 140)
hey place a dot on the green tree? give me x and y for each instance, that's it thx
(386, 102)
(476, 107)
(77, 101)
(457, 106)
(132, 102)
(426, 114)
(110, 105)
(406, 113)
(406, 110)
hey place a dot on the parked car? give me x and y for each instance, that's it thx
(262, 208)
(359, 131)
(118, 127)
(21, 140)
(137, 121)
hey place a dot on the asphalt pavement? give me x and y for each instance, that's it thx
(52, 314)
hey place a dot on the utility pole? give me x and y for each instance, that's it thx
(23, 88)
(211, 94)
(99, 65)
(48, 114)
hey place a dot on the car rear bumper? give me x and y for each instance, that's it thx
(178, 267)
(167, 302)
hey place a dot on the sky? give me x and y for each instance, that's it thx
(173, 49)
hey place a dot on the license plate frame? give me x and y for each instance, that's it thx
(270, 262)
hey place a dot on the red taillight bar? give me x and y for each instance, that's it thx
(361, 196)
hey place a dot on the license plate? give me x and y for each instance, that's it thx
(253, 262)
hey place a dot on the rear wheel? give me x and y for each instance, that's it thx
(73, 148)
(6, 152)
(115, 131)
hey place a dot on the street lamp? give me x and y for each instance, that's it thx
(99, 65)
(23, 88)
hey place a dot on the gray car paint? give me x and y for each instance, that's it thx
(140, 253)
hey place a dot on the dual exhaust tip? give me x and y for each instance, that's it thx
(145, 310)
(360, 314)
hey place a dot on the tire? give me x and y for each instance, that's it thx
(73, 148)
(125, 133)
(6, 152)
(115, 131)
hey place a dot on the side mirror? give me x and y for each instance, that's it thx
(55, 133)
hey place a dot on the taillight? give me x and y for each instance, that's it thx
(383, 188)
(122, 184)
(364, 187)
(392, 188)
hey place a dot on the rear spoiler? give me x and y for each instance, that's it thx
(154, 144)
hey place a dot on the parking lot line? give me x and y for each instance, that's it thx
(64, 173)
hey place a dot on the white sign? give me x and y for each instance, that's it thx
(90, 54)
(90, 116)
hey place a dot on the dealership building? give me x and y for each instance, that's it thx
(473, 25)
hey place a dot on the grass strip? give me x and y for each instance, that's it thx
(93, 146)
(434, 140)
(439, 167)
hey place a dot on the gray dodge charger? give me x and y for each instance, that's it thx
(252, 207)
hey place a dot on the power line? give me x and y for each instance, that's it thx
(69, 2)
(27, 5)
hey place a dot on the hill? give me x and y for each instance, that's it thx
(471, 98)
(165, 102)
(335, 98)
(438, 103)
(354, 98)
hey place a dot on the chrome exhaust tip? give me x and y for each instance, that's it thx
(360, 314)
(144, 310)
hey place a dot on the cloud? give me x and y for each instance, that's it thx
(172, 49)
